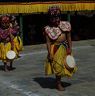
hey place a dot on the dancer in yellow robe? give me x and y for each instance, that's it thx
(18, 46)
(59, 45)
(8, 41)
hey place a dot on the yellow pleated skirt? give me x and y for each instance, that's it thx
(57, 66)
(18, 46)
(5, 47)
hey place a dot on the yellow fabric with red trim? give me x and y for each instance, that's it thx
(57, 66)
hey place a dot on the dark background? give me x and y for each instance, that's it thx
(83, 27)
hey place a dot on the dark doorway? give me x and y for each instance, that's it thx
(33, 25)
(83, 27)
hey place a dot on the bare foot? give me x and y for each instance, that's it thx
(60, 87)
(6, 70)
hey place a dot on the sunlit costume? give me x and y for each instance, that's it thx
(8, 41)
(57, 48)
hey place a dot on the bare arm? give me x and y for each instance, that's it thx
(48, 43)
(69, 50)
(69, 40)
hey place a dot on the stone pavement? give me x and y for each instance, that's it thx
(28, 78)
